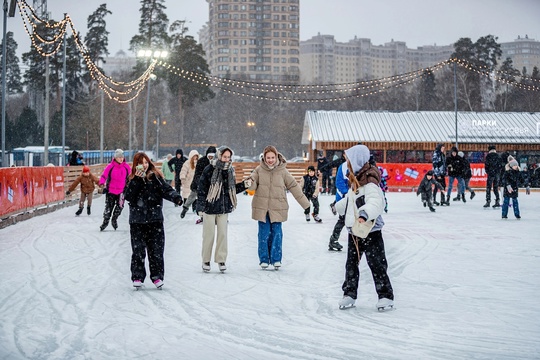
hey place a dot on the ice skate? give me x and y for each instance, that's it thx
(277, 265)
(206, 267)
(104, 225)
(346, 303)
(264, 265)
(183, 213)
(432, 209)
(88, 210)
(473, 194)
(518, 217)
(114, 224)
(497, 204)
(137, 284)
(158, 283)
(463, 198)
(457, 198)
(199, 221)
(385, 304)
(79, 212)
(316, 218)
(333, 208)
(425, 203)
(222, 267)
(487, 204)
(308, 218)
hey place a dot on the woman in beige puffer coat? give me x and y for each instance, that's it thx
(270, 208)
(187, 172)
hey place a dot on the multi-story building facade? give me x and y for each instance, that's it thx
(256, 40)
(524, 52)
(324, 60)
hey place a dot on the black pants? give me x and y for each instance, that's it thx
(315, 202)
(426, 196)
(492, 183)
(325, 184)
(147, 238)
(338, 227)
(177, 182)
(112, 207)
(441, 180)
(373, 247)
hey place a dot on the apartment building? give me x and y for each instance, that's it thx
(323, 60)
(524, 52)
(255, 40)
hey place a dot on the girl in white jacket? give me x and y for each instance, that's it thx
(364, 204)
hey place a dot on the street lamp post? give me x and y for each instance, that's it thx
(158, 122)
(150, 55)
(251, 124)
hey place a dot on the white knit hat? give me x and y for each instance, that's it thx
(119, 153)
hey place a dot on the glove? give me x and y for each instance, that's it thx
(68, 192)
(528, 190)
(179, 203)
(314, 196)
(306, 211)
(247, 183)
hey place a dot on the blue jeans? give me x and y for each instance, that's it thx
(460, 185)
(515, 206)
(270, 239)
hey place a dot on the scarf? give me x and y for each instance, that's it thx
(216, 182)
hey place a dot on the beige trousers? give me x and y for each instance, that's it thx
(210, 223)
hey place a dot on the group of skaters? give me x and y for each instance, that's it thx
(210, 183)
(502, 171)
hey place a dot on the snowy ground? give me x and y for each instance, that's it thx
(465, 281)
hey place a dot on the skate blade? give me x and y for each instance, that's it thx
(346, 307)
(385, 308)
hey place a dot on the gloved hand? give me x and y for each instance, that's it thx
(179, 203)
(68, 192)
(306, 211)
(247, 182)
(314, 196)
(528, 190)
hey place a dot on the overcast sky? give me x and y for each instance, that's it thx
(416, 22)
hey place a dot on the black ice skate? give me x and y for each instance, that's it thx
(79, 212)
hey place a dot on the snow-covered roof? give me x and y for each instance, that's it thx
(421, 126)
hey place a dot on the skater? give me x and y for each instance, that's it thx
(467, 174)
(439, 171)
(88, 182)
(511, 180)
(186, 176)
(325, 171)
(384, 185)
(454, 163)
(167, 173)
(216, 199)
(310, 187)
(342, 186)
(269, 206)
(202, 163)
(493, 167)
(425, 189)
(175, 164)
(145, 192)
(112, 184)
(75, 159)
(365, 199)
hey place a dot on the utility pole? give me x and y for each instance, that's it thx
(62, 158)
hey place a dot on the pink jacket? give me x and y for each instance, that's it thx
(118, 174)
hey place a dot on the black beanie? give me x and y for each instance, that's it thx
(179, 152)
(211, 150)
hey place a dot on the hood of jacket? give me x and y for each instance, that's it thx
(358, 156)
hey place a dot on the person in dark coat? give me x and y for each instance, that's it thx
(511, 180)
(310, 188)
(178, 161)
(202, 163)
(75, 159)
(216, 199)
(467, 175)
(326, 170)
(425, 189)
(145, 192)
(439, 172)
(493, 166)
(454, 163)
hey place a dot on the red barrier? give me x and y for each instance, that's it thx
(409, 176)
(27, 187)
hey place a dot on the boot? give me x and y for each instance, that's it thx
(316, 217)
(88, 210)
(432, 209)
(79, 212)
(104, 225)
(487, 204)
(497, 204)
(334, 245)
(473, 194)
(457, 198)
(463, 198)
(435, 200)
(443, 202)
(114, 223)
(183, 213)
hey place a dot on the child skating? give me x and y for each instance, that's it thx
(425, 189)
(310, 188)
(88, 183)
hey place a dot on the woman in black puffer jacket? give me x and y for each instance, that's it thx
(145, 193)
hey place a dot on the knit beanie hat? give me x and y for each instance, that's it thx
(119, 153)
(491, 147)
(85, 169)
(513, 163)
(311, 168)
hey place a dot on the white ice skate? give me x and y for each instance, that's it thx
(222, 267)
(385, 304)
(206, 267)
(158, 283)
(277, 265)
(346, 303)
(137, 284)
